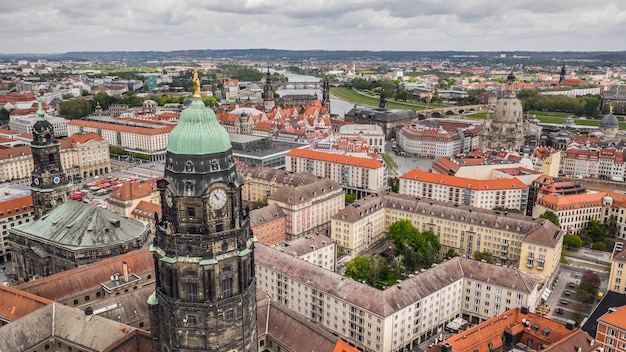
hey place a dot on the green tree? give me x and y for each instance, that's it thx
(132, 100)
(358, 268)
(397, 267)
(551, 216)
(572, 241)
(117, 151)
(451, 253)
(103, 99)
(402, 94)
(595, 230)
(415, 247)
(75, 109)
(4, 115)
(486, 256)
(141, 156)
(378, 269)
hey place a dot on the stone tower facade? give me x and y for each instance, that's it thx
(326, 94)
(49, 186)
(269, 103)
(203, 249)
(507, 129)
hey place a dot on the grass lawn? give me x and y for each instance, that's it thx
(389, 161)
(353, 96)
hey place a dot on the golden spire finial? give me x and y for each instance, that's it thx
(196, 84)
(611, 109)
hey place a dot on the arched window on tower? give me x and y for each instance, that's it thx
(51, 157)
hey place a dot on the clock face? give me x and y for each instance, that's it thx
(169, 198)
(218, 198)
(57, 180)
(37, 181)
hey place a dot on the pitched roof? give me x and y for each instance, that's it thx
(134, 189)
(15, 303)
(291, 329)
(461, 182)
(571, 201)
(57, 321)
(266, 214)
(147, 209)
(62, 286)
(305, 193)
(539, 330)
(388, 301)
(122, 128)
(335, 158)
(15, 151)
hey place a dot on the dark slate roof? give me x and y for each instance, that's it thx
(389, 301)
(56, 321)
(382, 115)
(611, 299)
(305, 193)
(291, 329)
(77, 225)
(266, 214)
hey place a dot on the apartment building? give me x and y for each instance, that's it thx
(308, 208)
(476, 167)
(611, 333)
(15, 209)
(617, 276)
(269, 224)
(511, 238)
(16, 164)
(147, 140)
(373, 134)
(503, 193)
(606, 163)
(401, 316)
(357, 175)
(262, 181)
(85, 155)
(316, 249)
(126, 198)
(574, 211)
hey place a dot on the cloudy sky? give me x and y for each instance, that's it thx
(44, 26)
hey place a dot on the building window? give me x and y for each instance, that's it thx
(191, 212)
(192, 291)
(227, 290)
(229, 314)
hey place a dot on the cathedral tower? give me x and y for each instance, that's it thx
(203, 249)
(49, 186)
(326, 94)
(269, 103)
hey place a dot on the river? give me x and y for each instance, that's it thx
(337, 106)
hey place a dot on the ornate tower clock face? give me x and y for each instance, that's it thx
(57, 180)
(37, 181)
(217, 198)
(169, 198)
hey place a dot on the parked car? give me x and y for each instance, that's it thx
(564, 302)
(568, 293)
(571, 285)
(559, 310)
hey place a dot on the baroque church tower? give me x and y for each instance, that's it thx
(269, 103)
(326, 93)
(203, 249)
(49, 186)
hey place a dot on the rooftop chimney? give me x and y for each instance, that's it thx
(125, 266)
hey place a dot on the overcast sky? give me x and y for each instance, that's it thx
(44, 26)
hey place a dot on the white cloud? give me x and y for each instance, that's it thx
(73, 25)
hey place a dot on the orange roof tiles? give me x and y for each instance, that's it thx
(24, 204)
(15, 303)
(616, 318)
(461, 182)
(16, 151)
(147, 209)
(343, 346)
(574, 201)
(335, 158)
(135, 189)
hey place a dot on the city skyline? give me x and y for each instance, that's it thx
(423, 25)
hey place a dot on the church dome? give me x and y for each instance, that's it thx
(609, 121)
(607, 200)
(247, 111)
(42, 129)
(198, 132)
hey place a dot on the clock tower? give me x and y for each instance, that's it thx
(49, 186)
(203, 248)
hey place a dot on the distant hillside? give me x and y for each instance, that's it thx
(273, 54)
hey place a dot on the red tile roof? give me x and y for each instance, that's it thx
(461, 182)
(122, 128)
(335, 158)
(15, 303)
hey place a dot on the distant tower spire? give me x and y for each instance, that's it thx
(326, 93)
(563, 72)
(382, 104)
(268, 92)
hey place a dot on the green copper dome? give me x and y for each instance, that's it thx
(198, 132)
